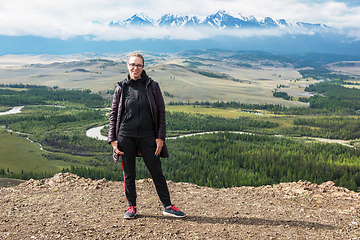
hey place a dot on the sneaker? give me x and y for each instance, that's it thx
(130, 213)
(173, 212)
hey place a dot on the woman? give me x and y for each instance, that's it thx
(137, 126)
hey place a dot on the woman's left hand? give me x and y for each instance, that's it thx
(159, 145)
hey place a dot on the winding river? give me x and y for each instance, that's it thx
(14, 111)
(96, 132)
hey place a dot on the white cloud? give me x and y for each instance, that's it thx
(107, 33)
(68, 18)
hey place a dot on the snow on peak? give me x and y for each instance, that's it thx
(221, 19)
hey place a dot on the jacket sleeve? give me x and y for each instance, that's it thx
(114, 115)
(161, 113)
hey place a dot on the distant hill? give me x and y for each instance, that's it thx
(288, 44)
(309, 59)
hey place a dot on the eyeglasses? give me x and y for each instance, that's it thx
(133, 65)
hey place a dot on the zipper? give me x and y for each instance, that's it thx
(147, 95)
(139, 97)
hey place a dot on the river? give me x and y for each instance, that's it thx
(96, 132)
(12, 111)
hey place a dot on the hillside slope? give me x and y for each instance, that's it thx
(69, 207)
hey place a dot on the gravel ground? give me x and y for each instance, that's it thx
(69, 207)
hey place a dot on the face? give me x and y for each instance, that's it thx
(135, 72)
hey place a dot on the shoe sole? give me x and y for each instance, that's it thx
(125, 217)
(172, 215)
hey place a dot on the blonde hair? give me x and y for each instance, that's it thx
(135, 54)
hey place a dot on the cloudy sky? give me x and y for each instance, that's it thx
(70, 18)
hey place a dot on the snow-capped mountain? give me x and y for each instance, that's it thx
(137, 20)
(176, 21)
(221, 20)
(268, 22)
(172, 20)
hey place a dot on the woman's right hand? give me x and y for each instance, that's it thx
(114, 144)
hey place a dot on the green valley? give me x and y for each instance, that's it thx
(209, 91)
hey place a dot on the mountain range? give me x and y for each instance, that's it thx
(174, 33)
(221, 19)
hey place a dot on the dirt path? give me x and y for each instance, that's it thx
(69, 207)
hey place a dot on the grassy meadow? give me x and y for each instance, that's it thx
(218, 112)
(19, 154)
(243, 84)
(351, 86)
(4, 109)
(248, 85)
(283, 121)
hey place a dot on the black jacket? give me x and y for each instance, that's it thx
(136, 120)
(157, 108)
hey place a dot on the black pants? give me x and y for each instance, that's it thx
(147, 147)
